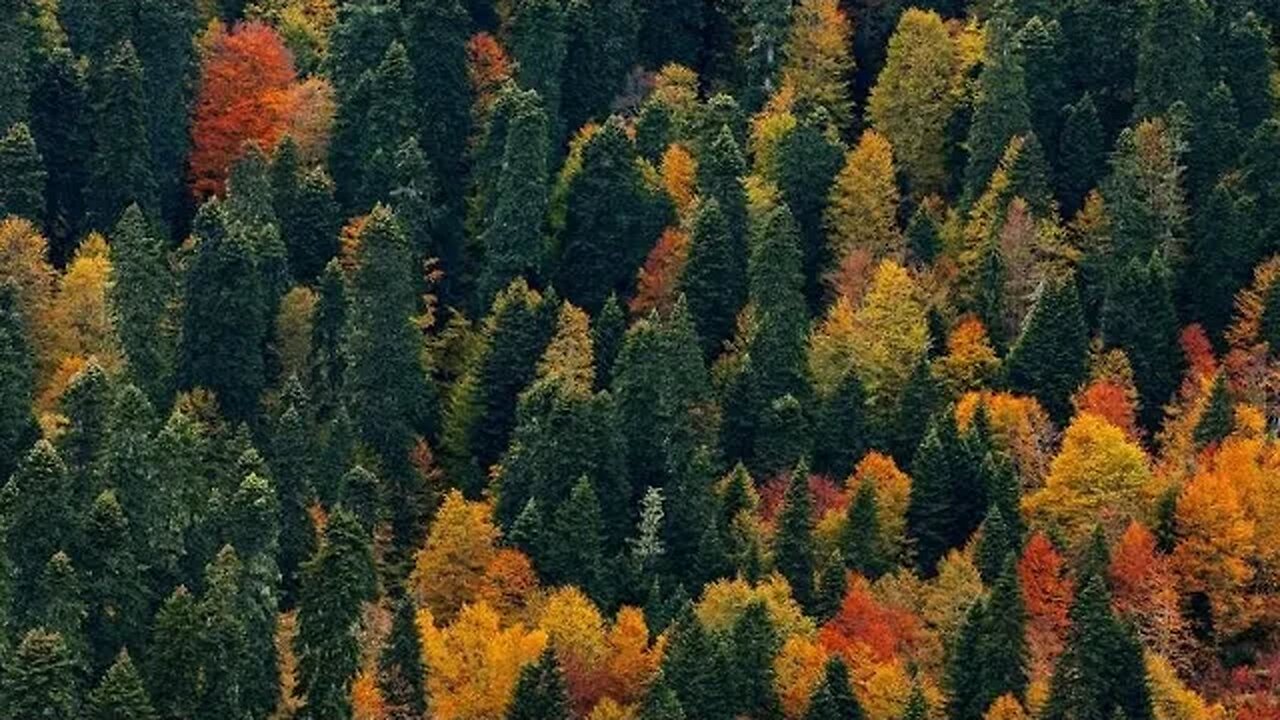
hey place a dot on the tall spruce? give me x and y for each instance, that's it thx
(140, 298)
(833, 698)
(539, 46)
(793, 544)
(22, 175)
(400, 668)
(120, 695)
(120, 169)
(17, 382)
(1139, 318)
(38, 679)
(541, 692)
(1048, 359)
(436, 32)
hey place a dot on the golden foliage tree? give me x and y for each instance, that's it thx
(449, 570)
(863, 208)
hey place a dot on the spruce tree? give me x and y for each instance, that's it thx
(114, 588)
(41, 520)
(793, 544)
(906, 428)
(1001, 111)
(39, 680)
(140, 298)
(224, 317)
(1171, 55)
(689, 665)
(15, 86)
(120, 695)
(120, 169)
(1048, 359)
(1139, 318)
(712, 301)
(660, 703)
(328, 321)
(574, 549)
(608, 328)
(174, 656)
(721, 168)
(310, 224)
(390, 397)
(602, 48)
(948, 496)
(59, 607)
(860, 542)
(86, 404)
(777, 364)
(392, 118)
(541, 693)
(336, 582)
(22, 175)
(223, 639)
(294, 466)
(1245, 57)
(833, 698)
(922, 236)
(254, 528)
(1081, 156)
(1218, 419)
(538, 46)
(841, 427)
(671, 32)
(59, 122)
(1224, 247)
(964, 671)
(755, 645)
(169, 64)
(808, 161)
(833, 585)
(436, 32)
(17, 383)
(1002, 646)
(400, 669)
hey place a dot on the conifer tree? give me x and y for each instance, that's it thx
(1223, 248)
(39, 681)
(860, 542)
(776, 290)
(114, 589)
(964, 672)
(1002, 644)
(390, 396)
(713, 302)
(224, 317)
(15, 87)
(690, 666)
(1048, 359)
(1001, 111)
(174, 656)
(541, 693)
(328, 321)
(254, 528)
(1218, 419)
(336, 582)
(120, 695)
(1247, 67)
(59, 607)
(833, 585)
(436, 32)
(948, 497)
(1171, 56)
(793, 545)
(140, 299)
(574, 550)
(608, 328)
(671, 32)
(59, 122)
(660, 703)
(1081, 153)
(85, 404)
(1139, 318)
(1145, 199)
(392, 118)
(42, 519)
(721, 168)
(911, 418)
(169, 65)
(293, 469)
(808, 161)
(400, 669)
(223, 639)
(602, 48)
(309, 224)
(120, 167)
(538, 46)
(22, 175)
(841, 427)
(833, 699)
(768, 22)
(17, 383)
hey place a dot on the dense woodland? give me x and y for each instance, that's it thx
(639, 360)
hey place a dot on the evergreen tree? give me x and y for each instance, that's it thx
(776, 289)
(59, 122)
(114, 589)
(392, 118)
(251, 214)
(608, 329)
(538, 46)
(41, 520)
(721, 168)
(613, 219)
(15, 87)
(336, 582)
(293, 468)
(120, 695)
(602, 48)
(964, 672)
(59, 607)
(1245, 57)
(1224, 247)
(1001, 110)
(224, 317)
(1139, 318)
(671, 32)
(574, 549)
(808, 161)
(689, 665)
(169, 65)
(833, 699)
(360, 493)
(910, 420)
(309, 224)
(1171, 56)
(1218, 419)
(120, 169)
(39, 681)
(390, 396)
(436, 32)
(833, 585)
(841, 428)
(541, 693)
(1081, 153)
(513, 241)
(128, 465)
(755, 644)
(400, 669)
(1048, 359)
(140, 298)
(711, 299)
(254, 529)
(860, 542)
(22, 175)
(922, 236)
(769, 23)
(948, 497)
(1002, 645)
(1144, 194)
(793, 544)
(660, 703)
(173, 659)
(86, 404)
(223, 639)
(17, 383)
(328, 363)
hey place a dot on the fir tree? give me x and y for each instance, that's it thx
(538, 46)
(114, 589)
(541, 693)
(1002, 645)
(922, 236)
(1171, 61)
(711, 299)
(1048, 359)
(1224, 247)
(1001, 111)
(437, 32)
(59, 122)
(602, 48)
(140, 299)
(293, 469)
(120, 167)
(860, 542)
(400, 669)
(41, 520)
(1244, 54)
(223, 639)
(22, 175)
(17, 382)
(964, 672)
(833, 698)
(392, 118)
(841, 428)
(120, 695)
(776, 290)
(721, 168)
(607, 331)
(360, 493)
(328, 321)
(15, 87)
(336, 582)
(39, 681)
(808, 161)
(660, 703)
(1081, 153)
(793, 545)
(174, 657)
(309, 225)
(1219, 416)
(910, 419)
(689, 665)
(1139, 318)
(574, 549)
(169, 65)
(254, 519)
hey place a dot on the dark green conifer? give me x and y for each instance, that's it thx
(602, 48)
(165, 40)
(690, 668)
(793, 545)
(1002, 645)
(777, 363)
(660, 703)
(541, 693)
(175, 657)
(860, 542)
(574, 553)
(1224, 246)
(293, 468)
(608, 328)
(1245, 57)
(1171, 56)
(922, 236)
(1139, 318)
(223, 638)
(59, 122)
(1001, 110)
(114, 588)
(120, 694)
(17, 382)
(59, 607)
(120, 169)
(41, 520)
(1219, 416)
(706, 281)
(39, 680)
(841, 428)
(833, 585)
(1081, 153)
(808, 160)
(538, 46)
(833, 699)
(755, 645)
(140, 296)
(436, 33)
(1048, 359)
(22, 175)
(400, 669)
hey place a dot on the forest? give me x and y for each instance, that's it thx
(639, 360)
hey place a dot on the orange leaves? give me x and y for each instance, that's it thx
(450, 569)
(1112, 402)
(865, 629)
(1145, 591)
(632, 661)
(488, 67)
(1216, 542)
(1047, 593)
(679, 177)
(660, 275)
(246, 93)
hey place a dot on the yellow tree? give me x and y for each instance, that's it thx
(819, 56)
(449, 570)
(570, 358)
(576, 630)
(970, 362)
(23, 264)
(1099, 476)
(679, 177)
(799, 667)
(633, 661)
(831, 347)
(1006, 707)
(475, 663)
(892, 334)
(1215, 545)
(863, 208)
(724, 601)
(80, 319)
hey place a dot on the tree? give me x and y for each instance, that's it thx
(540, 692)
(169, 66)
(538, 45)
(294, 466)
(602, 48)
(1001, 111)
(1171, 57)
(436, 32)
(449, 569)
(819, 58)
(1081, 155)
(755, 645)
(39, 680)
(912, 102)
(1002, 645)
(808, 159)
(833, 699)
(719, 174)
(574, 551)
(243, 95)
(863, 210)
(174, 658)
(713, 303)
(1139, 318)
(140, 299)
(948, 492)
(1048, 358)
(59, 606)
(17, 426)
(224, 317)
(400, 669)
(114, 588)
(59, 111)
(861, 543)
(390, 396)
(1144, 193)
(793, 544)
(776, 290)
(43, 519)
(337, 580)
(120, 169)
(309, 219)
(613, 218)
(120, 695)
(22, 175)
(1219, 416)
(222, 637)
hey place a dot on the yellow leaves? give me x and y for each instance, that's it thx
(970, 361)
(893, 494)
(819, 57)
(892, 332)
(79, 323)
(1005, 707)
(366, 698)
(1019, 426)
(679, 177)
(831, 347)
(569, 359)
(863, 207)
(293, 330)
(449, 569)
(1173, 700)
(23, 265)
(798, 669)
(1250, 302)
(475, 663)
(1216, 540)
(509, 584)
(768, 128)
(632, 662)
(574, 626)
(724, 601)
(1099, 476)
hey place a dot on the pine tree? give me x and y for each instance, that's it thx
(17, 382)
(169, 65)
(309, 224)
(1081, 153)
(1001, 111)
(833, 698)
(793, 544)
(613, 219)
(59, 122)
(336, 582)
(1002, 645)
(808, 161)
(1224, 246)
(437, 32)
(120, 167)
(86, 404)
(114, 588)
(910, 420)
(22, 175)
(224, 317)
(1139, 318)
(1048, 359)
(120, 695)
(59, 607)
(128, 465)
(513, 241)
(400, 669)
(755, 644)
(712, 301)
(541, 693)
(538, 46)
(1218, 419)
(140, 298)
(574, 545)
(948, 497)
(174, 657)
(42, 520)
(964, 672)
(39, 681)
(390, 396)
(860, 543)
(776, 290)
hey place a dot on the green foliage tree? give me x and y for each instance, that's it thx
(833, 699)
(1139, 318)
(39, 680)
(793, 544)
(22, 175)
(174, 657)
(1048, 359)
(120, 694)
(400, 669)
(541, 691)
(120, 168)
(17, 383)
(140, 297)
